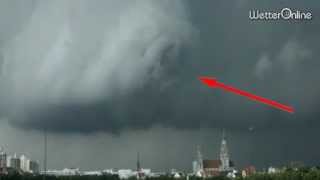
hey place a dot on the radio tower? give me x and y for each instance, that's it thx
(45, 154)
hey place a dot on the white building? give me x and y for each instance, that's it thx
(9, 161)
(197, 165)
(13, 162)
(126, 173)
(232, 174)
(176, 175)
(272, 170)
(109, 171)
(146, 172)
(92, 173)
(24, 163)
(64, 172)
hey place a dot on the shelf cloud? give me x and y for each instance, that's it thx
(88, 66)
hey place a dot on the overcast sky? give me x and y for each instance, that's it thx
(109, 79)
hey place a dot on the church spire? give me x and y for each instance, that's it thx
(224, 155)
(199, 158)
(223, 134)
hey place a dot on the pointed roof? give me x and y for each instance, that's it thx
(223, 147)
(223, 134)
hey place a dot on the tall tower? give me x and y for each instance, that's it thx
(45, 154)
(139, 170)
(199, 163)
(224, 155)
(199, 158)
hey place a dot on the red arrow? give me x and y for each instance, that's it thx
(213, 83)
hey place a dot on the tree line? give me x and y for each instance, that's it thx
(285, 174)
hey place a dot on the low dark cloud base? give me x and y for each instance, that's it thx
(278, 60)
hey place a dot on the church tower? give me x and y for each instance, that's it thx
(200, 160)
(224, 155)
(197, 165)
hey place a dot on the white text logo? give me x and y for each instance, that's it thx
(285, 14)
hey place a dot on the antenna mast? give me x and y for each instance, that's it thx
(45, 154)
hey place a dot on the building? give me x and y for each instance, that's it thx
(197, 165)
(17, 164)
(272, 170)
(140, 174)
(3, 161)
(224, 155)
(92, 173)
(109, 172)
(211, 167)
(34, 167)
(232, 174)
(226, 164)
(14, 162)
(146, 172)
(126, 173)
(248, 171)
(24, 163)
(64, 172)
(9, 161)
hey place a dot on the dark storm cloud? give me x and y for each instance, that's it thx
(89, 58)
(76, 81)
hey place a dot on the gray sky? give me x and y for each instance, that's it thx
(110, 78)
